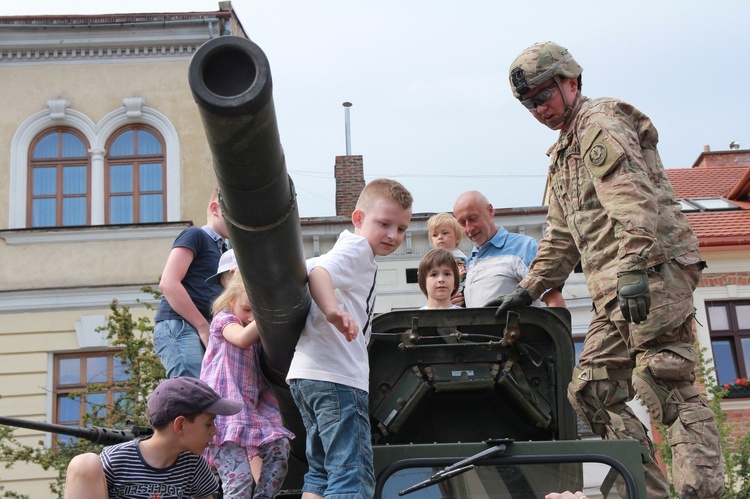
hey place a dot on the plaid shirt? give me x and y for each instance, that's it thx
(235, 373)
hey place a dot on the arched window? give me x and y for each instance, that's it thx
(135, 176)
(59, 179)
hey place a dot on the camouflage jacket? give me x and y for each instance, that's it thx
(611, 205)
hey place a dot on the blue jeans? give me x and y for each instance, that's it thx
(179, 348)
(339, 450)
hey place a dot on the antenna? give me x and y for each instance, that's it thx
(348, 132)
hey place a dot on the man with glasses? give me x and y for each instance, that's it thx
(612, 208)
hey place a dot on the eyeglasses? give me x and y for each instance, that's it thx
(541, 98)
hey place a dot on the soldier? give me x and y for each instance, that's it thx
(612, 208)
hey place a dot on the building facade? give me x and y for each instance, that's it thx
(105, 162)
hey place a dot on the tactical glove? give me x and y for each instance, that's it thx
(518, 298)
(633, 295)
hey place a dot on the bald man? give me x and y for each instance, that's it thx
(499, 259)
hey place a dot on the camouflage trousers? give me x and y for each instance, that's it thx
(655, 359)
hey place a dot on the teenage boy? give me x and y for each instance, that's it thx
(168, 464)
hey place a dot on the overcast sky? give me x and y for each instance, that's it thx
(428, 81)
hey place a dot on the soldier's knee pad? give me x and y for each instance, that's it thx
(663, 377)
(597, 397)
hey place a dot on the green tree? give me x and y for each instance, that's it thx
(144, 371)
(736, 454)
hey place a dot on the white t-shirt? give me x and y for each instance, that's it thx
(322, 352)
(449, 308)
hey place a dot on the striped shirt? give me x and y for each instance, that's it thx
(130, 476)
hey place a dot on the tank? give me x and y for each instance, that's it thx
(462, 403)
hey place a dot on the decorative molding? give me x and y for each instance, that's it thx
(53, 300)
(97, 135)
(102, 54)
(133, 106)
(57, 108)
(56, 235)
(88, 331)
(19, 155)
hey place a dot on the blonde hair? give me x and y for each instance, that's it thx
(384, 188)
(437, 258)
(235, 289)
(436, 221)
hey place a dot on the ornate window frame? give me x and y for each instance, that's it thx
(58, 113)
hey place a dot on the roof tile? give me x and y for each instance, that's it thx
(704, 182)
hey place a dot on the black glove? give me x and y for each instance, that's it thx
(518, 298)
(633, 295)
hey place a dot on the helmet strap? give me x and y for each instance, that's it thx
(568, 107)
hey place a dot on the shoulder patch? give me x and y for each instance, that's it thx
(600, 151)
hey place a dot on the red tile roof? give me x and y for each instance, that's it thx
(716, 230)
(705, 182)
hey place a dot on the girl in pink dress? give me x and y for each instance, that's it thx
(231, 367)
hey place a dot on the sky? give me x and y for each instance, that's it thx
(428, 80)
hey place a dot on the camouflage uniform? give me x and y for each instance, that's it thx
(612, 208)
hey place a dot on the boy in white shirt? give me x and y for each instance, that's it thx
(329, 374)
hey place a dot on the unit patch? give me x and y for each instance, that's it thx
(597, 154)
(601, 152)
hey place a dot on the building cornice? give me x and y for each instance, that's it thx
(111, 38)
(87, 298)
(93, 233)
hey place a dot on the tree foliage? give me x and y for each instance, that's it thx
(132, 336)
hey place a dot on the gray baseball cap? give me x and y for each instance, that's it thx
(186, 396)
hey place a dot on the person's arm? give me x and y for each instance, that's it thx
(321, 290)
(242, 337)
(553, 298)
(177, 265)
(556, 255)
(623, 185)
(85, 478)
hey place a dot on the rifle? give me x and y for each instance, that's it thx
(95, 434)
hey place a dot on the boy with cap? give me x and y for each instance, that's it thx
(166, 465)
(227, 268)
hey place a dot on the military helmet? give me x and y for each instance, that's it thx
(540, 63)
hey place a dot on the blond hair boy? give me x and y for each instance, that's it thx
(330, 365)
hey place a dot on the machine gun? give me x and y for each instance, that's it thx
(95, 434)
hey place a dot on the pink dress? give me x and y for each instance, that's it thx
(235, 373)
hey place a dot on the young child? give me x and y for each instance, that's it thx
(182, 321)
(231, 367)
(445, 233)
(168, 464)
(438, 278)
(329, 374)
(225, 271)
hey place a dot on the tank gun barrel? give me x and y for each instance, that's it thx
(230, 79)
(95, 434)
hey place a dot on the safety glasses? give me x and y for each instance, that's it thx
(541, 98)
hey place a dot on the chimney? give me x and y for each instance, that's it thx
(350, 180)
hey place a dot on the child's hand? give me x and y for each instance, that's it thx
(345, 323)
